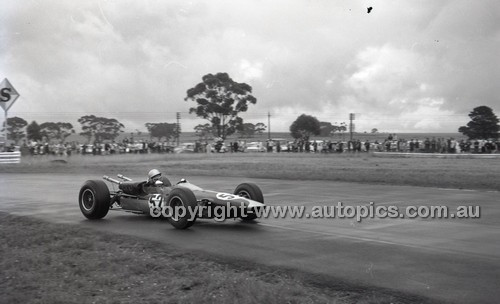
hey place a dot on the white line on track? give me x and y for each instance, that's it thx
(339, 235)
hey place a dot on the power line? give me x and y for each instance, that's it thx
(333, 114)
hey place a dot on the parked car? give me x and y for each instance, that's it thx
(255, 147)
(219, 147)
(185, 148)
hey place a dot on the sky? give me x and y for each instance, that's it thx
(407, 66)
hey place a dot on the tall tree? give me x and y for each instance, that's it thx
(162, 129)
(56, 130)
(15, 126)
(483, 124)
(33, 131)
(101, 128)
(219, 100)
(305, 126)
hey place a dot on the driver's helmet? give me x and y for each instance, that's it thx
(154, 175)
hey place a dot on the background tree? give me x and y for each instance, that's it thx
(247, 130)
(219, 100)
(325, 128)
(483, 124)
(374, 131)
(204, 131)
(305, 126)
(329, 129)
(340, 128)
(15, 126)
(101, 128)
(56, 130)
(162, 129)
(65, 130)
(33, 131)
(49, 130)
(260, 128)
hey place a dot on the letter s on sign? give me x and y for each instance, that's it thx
(5, 94)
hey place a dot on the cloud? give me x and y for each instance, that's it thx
(135, 60)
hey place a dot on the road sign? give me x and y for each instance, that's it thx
(8, 95)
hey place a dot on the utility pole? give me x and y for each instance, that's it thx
(178, 116)
(351, 118)
(269, 125)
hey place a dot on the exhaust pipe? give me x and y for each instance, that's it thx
(109, 179)
(124, 177)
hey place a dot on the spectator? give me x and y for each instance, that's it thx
(357, 146)
(340, 146)
(367, 145)
(427, 145)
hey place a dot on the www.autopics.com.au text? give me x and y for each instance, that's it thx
(341, 211)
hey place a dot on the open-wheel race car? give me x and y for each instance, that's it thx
(181, 203)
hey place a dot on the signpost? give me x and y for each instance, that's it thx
(8, 95)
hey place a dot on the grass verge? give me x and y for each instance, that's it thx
(57, 263)
(428, 172)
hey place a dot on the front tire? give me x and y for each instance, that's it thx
(250, 191)
(94, 199)
(185, 198)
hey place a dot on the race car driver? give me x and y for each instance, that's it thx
(150, 186)
(153, 176)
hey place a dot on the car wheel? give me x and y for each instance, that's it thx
(181, 218)
(94, 199)
(250, 191)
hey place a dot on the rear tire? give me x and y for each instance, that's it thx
(94, 199)
(185, 198)
(250, 191)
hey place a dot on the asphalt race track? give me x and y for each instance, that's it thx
(455, 260)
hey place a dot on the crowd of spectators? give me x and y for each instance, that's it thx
(391, 144)
(438, 145)
(105, 148)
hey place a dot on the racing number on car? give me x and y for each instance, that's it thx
(155, 203)
(225, 196)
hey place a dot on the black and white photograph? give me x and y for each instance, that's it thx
(249, 151)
